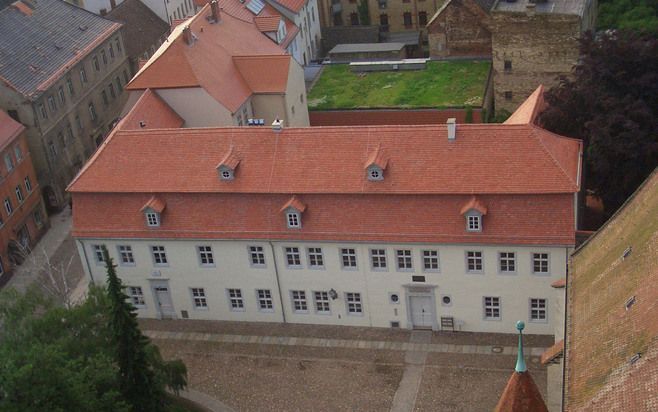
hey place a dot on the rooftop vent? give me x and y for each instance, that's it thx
(630, 302)
(452, 128)
(187, 35)
(277, 125)
(256, 122)
(626, 253)
(142, 124)
(214, 11)
(635, 358)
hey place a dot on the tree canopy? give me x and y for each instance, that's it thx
(640, 15)
(612, 104)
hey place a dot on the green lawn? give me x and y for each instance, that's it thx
(441, 84)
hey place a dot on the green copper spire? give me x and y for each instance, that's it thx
(520, 362)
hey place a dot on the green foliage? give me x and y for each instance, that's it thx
(364, 13)
(440, 85)
(640, 15)
(500, 116)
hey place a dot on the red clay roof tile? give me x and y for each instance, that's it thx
(378, 158)
(476, 204)
(294, 203)
(267, 23)
(155, 203)
(151, 112)
(553, 352)
(231, 160)
(560, 283)
(292, 5)
(521, 395)
(9, 129)
(527, 112)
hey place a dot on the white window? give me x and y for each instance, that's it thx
(226, 174)
(18, 153)
(299, 301)
(294, 220)
(205, 256)
(256, 256)
(9, 163)
(375, 173)
(404, 259)
(28, 184)
(293, 258)
(507, 262)
(235, 299)
(19, 194)
(136, 296)
(159, 255)
(540, 263)
(473, 223)
(431, 260)
(98, 255)
(353, 301)
(315, 258)
(92, 112)
(378, 258)
(37, 218)
(199, 298)
(265, 303)
(538, 310)
(322, 303)
(348, 258)
(474, 262)
(491, 308)
(126, 255)
(152, 219)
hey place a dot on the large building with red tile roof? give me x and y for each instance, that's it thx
(22, 218)
(388, 226)
(220, 69)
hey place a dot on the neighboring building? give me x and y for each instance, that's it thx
(385, 226)
(22, 218)
(530, 43)
(346, 53)
(167, 10)
(304, 14)
(65, 83)
(143, 31)
(220, 69)
(611, 345)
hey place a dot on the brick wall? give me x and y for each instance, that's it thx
(460, 30)
(383, 117)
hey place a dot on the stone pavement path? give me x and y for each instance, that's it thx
(405, 397)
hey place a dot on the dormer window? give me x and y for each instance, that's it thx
(473, 211)
(375, 165)
(153, 211)
(226, 168)
(226, 174)
(293, 210)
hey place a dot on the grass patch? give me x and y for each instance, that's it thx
(440, 85)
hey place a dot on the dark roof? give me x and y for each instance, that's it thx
(568, 7)
(142, 28)
(40, 37)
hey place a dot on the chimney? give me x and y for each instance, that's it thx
(277, 125)
(452, 129)
(187, 35)
(214, 9)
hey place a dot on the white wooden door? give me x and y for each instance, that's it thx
(163, 299)
(422, 312)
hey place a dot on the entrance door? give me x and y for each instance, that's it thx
(422, 312)
(165, 304)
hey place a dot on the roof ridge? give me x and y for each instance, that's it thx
(555, 161)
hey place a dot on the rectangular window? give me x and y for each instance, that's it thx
(69, 133)
(315, 258)
(95, 63)
(540, 263)
(431, 260)
(125, 76)
(42, 111)
(98, 254)
(52, 104)
(152, 219)
(538, 310)
(8, 207)
(78, 121)
(256, 256)
(9, 163)
(104, 56)
(118, 43)
(322, 303)
(117, 80)
(491, 308)
(136, 296)
(205, 256)
(28, 184)
(422, 18)
(37, 218)
(83, 76)
(507, 262)
(265, 303)
(348, 258)
(18, 153)
(104, 97)
(293, 220)
(473, 223)
(407, 19)
(111, 89)
(474, 262)
(19, 194)
(235, 299)
(199, 298)
(293, 258)
(354, 305)
(92, 112)
(159, 255)
(111, 51)
(69, 85)
(508, 65)
(404, 259)
(508, 95)
(126, 255)
(60, 93)
(378, 258)
(299, 301)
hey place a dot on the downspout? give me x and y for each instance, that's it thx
(566, 334)
(278, 284)
(84, 253)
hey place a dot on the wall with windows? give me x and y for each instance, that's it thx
(308, 21)
(167, 10)
(512, 281)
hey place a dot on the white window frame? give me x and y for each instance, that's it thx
(125, 252)
(353, 304)
(474, 223)
(321, 302)
(98, 254)
(9, 162)
(534, 306)
(541, 259)
(480, 258)
(404, 258)
(293, 219)
(161, 252)
(235, 300)
(348, 254)
(379, 260)
(504, 259)
(264, 300)
(205, 252)
(431, 257)
(199, 298)
(8, 206)
(28, 184)
(18, 153)
(256, 252)
(298, 298)
(152, 218)
(38, 220)
(292, 253)
(136, 295)
(315, 257)
(492, 303)
(375, 173)
(19, 194)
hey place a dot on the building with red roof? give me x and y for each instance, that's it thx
(22, 218)
(366, 225)
(223, 67)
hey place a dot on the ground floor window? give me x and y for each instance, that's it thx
(136, 296)
(235, 299)
(265, 303)
(354, 305)
(491, 308)
(538, 310)
(322, 302)
(299, 301)
(199, 298)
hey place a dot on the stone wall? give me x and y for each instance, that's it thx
(460, 30)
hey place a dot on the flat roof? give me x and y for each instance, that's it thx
(366, 47)
(575, 7)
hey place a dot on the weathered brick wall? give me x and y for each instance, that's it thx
(539, 47)
(460, 30)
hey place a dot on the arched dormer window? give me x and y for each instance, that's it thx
(293, 210)
(473, 212)
(226, 168)
(376, 164)
(153, 212)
